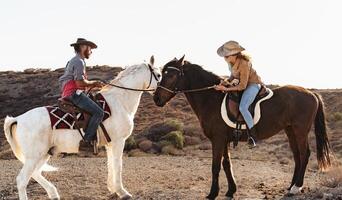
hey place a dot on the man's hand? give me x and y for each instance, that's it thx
(99, 84)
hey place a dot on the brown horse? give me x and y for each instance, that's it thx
(292, 108)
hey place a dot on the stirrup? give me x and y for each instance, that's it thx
(251, 142)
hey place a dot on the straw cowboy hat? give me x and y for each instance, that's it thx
(82, 41)
(229, 48)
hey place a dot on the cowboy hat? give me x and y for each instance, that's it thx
(229, 48)
(82, 41)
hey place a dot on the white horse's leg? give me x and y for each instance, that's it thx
(24, 177)
(110, 180)
(117, 148)
(48, 186)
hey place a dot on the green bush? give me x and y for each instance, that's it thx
(176, 138)
(175, 123)
(130, 143)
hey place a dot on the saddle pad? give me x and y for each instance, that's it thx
(257, 113)
(62, 120)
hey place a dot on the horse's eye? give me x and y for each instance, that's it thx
(158, 75)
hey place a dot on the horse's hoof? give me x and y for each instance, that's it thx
(126, 197)
(211, 196)
(295, 190)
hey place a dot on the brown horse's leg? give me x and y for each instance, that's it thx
(301, 136)
(304, 158)
(218, 145)
(294, 148)
(229, 173)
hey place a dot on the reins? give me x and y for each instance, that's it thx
(181, 73)
(135, 89)
(187, 91)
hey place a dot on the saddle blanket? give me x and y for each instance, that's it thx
(257, 113)
(62, 120)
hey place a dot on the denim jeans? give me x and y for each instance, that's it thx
(247, 99)
(84, 102)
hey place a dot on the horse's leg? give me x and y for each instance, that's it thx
(118, 147)
(24, 177)
(48, 186)
(218, 146)
(304, 154)
(294, 148)
(226, 163)
(110, 180)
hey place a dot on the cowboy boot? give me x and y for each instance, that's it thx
(251, 133)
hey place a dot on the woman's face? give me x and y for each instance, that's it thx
(230, 59)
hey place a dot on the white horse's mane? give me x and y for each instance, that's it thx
(128, 70)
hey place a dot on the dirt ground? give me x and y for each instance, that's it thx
(165, 177)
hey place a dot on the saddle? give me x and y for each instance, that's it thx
(67, 106)
(80, 116)
(233, 102)
(65, 115)
(231, 114)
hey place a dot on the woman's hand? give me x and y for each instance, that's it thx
(220, 88)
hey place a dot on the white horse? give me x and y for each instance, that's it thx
(30, 135)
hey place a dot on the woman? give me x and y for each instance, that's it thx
(249, 82)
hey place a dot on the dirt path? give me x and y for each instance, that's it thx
(158, 177)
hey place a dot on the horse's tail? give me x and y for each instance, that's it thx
(10, 127)
(322, 141)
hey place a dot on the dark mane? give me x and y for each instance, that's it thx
(200, 75)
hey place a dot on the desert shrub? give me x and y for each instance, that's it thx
(176, 138)
(159, 130)
(176, 124)
(337, 116)
(130, 143)
(333, 178)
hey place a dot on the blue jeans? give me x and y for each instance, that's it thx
(247, 99)
(85, 103)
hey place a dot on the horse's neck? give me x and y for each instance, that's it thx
(204, 101)
(128, 99)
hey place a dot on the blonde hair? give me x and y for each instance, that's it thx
(244, 56)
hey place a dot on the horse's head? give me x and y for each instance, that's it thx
(172, 80)
(154, 75)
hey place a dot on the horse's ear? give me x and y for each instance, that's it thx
(152, 60)
(180, 62)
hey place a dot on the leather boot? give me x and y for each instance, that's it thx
(252, 137)
(86, 145)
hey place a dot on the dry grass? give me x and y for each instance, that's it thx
(333, 178)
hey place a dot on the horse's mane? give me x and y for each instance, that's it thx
(200, 75)
(127, 71)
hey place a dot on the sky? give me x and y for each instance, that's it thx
(290, 41)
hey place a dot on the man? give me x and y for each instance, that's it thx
(74, 82)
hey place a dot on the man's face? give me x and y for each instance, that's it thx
(86, 51)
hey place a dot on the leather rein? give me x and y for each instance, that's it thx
(181, 73)
(153, 75)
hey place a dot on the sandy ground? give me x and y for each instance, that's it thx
(160, 177)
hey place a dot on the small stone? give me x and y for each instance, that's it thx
(145, 145)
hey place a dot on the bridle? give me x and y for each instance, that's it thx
(152, 75)
(176, 91)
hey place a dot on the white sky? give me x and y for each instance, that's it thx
(290, 41)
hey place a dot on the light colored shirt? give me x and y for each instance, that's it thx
(75, 70)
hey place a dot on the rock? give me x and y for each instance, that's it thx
(172, 150)
(191, 140)
(145, 145)
(205, 146)
(136, 153)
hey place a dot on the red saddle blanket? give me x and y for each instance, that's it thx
(63, 120)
